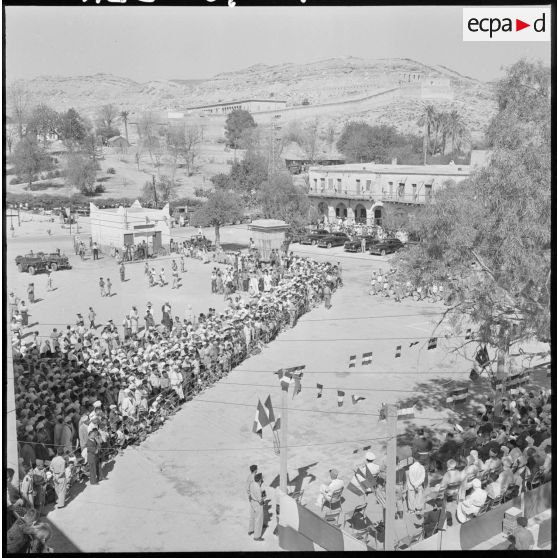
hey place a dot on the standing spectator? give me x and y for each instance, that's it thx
(58, 469)
(522, 537)
(31, 292)
(134, 319)
(175, 278)
(327, 296)
(122, 273)
(12, 304)
(416, 475)
(255, 524)
(91, 316)
(93, 455)
(102, 286)
(24, 312)
(27, 488)
(95, 251)
(50, 281)
(109, 286)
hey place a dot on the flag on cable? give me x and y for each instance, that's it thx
(398, 351)
(277, 425)
(286, 378)
(468, 334)
(295, 374)
(482, 356)
(406, 412)
(457, 395)
(432, 343)
(366, 358)
(260, 420)
(269, 407)
(364, 448)
(355, 485)
(413, 343)
(357, 398)
(352, 361)
(340, 398)
(320, 388)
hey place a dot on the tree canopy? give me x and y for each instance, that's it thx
(73, 129)
(81, 172)
(237, 122)
(488, 238)
(29, 159)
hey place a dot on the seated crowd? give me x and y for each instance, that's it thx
(79, 384)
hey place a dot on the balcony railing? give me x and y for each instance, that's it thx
(384, 196)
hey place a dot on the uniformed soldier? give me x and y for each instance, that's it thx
(255, 525)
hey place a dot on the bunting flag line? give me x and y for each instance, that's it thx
(468, 334)
(366, 358)
(320, 389)
(298, 386)
(482, 356)
(413, 343)
(269, 407)
(406, 413)
(260, 420)
(352, 361)
(457, 395)
(363, 448)
(277, 425)
(340, 398)
(398, 351)
(382, 415)
(432, 343)
(357, 398)
(286, 378)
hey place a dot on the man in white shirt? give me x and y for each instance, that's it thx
(416, 475)
(326, 491)
(471, 505)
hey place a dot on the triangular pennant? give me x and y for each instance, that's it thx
(366, 358)
(320, 388)
(366, 448)
(355, 487)
(482, 356)
(269, 407)
(398, 351)
(357, 398)
(432, 343)
(383, 414)
(352, 361)
(340, 398)
(277, 424)
(298, 386)
(260, 420)
(468, 334)
(286, 378)
(413, 343)
(406, 412)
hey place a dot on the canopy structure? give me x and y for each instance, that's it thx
(268, 235)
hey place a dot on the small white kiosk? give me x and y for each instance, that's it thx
(268, 235)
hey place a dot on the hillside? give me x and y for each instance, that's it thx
(337, 80)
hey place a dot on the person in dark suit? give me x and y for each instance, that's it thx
(93, 455)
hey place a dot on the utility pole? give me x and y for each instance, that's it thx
(283, 451)
(154, 191)
(391, 465)
(18, 221)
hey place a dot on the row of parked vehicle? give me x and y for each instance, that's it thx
(372, 244)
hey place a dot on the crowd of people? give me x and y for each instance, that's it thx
(505, 451)
(387, 284)
(83, 394)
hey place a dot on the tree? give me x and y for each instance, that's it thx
(222, 207)
(107, 115)
(29, 159)
(237, 121)
(149, 139)
(247, 176)
(489, 238)
(427, 121)
(73, 129)
(281, 199)
(124, 117)
(81, 172)
(18, 100)
(43, 121)
(156, 193)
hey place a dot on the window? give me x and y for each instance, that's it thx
(330, 183)
(390, 188)
(368, 185)
(414, 191)
(358, 186)
(315, 184)
(339, 185)
(322, 184)
(401, 190)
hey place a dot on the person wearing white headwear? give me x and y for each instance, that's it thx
(416, 475)
(128, 407)
(471, 505)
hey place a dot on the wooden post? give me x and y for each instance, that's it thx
(391, 465)
(283, 452)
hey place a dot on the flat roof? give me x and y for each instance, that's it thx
(236, 102)
(396, 169)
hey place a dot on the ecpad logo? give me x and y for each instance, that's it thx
(506, 24)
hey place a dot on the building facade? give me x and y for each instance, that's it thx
(250, 105)
(122, 226)
(366, 192)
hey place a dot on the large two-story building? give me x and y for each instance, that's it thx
(366, 192)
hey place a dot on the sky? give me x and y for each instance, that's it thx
(155, 42)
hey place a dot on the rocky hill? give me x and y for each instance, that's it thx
(336, 80)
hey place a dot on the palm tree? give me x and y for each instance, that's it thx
(124, 117)
(457, 130)
(427, 119)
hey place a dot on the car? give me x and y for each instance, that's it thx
(314, 237)
(333, 239)
(356, 244)
(33, 263)
(387, 246)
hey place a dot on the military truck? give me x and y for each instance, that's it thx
(35, 263)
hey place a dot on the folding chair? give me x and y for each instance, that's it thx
(452, 490)
(357, 517)
(334, 500)
(297, 496)
(485, 507)
(493, 502)
(535, 480)
(333, 518)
